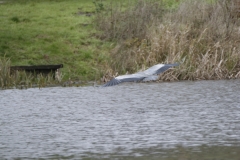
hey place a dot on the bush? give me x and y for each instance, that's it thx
(120, 23)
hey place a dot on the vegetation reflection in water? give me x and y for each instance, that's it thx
(203, 152)
(200, 121)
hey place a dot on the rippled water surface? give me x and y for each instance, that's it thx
(129, 120)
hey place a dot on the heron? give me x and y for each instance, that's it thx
(151, 74)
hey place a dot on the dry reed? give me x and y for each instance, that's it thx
(5, 78)
(203, 37)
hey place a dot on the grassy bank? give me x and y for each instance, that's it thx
(99, 40)
(52, 32)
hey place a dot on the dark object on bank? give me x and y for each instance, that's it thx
(38, 69)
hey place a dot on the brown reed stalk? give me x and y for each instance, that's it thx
(5, 78)
(203, 37)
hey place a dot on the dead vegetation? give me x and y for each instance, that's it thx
(202, 36)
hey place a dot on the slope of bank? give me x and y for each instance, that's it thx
(96, 40)
(53, 32)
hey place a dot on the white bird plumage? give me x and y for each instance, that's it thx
(150, 74)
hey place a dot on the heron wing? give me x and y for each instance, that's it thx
(113, 82)
(125, 78)
(147, 75)
(151, 78)
(159, 68)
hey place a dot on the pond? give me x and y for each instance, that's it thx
(168, 120)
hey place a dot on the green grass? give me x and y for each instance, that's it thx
(52, 32)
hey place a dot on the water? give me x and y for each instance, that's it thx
(132, 120)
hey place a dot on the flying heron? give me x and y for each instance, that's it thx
(151, 74)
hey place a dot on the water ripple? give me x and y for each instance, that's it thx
(37, 123)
